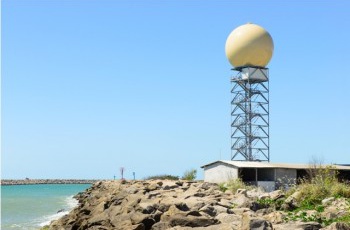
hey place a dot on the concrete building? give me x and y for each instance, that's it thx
(268, 175)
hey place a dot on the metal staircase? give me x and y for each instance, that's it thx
(250, 119)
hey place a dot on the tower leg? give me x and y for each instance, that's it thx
(250, 115)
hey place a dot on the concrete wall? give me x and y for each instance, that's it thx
(285, 178)
(219, 173)
(268, 186)
(270, 179)
(266, 174)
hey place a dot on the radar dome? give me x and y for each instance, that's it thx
(249, 45)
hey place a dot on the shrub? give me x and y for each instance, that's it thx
(222, 187)
(319, 186)
(340, 190)
(233, 185)
(162, 177)
(190, 175)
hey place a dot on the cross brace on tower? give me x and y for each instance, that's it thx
(250, 114)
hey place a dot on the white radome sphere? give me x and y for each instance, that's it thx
(249, 45)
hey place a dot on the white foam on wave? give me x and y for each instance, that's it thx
(70, 204)
(50, 218)
(16, 226)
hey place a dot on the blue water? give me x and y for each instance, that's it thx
(28, 207)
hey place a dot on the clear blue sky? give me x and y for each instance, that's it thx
(91, 86)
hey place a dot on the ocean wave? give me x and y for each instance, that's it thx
(70, 204)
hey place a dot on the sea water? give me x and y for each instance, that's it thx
(28, 207)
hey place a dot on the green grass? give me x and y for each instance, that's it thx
(302, 216)
(233, 185)
(190, 175)
(266, 202)
(323, 184)
(162, 177)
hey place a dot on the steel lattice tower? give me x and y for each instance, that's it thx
(250, 114)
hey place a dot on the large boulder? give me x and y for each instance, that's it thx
(291, 202)
(275, 217)
(337, 226)
(241, 201)
(328, 201)
(299, 226)
(177, 217)
(158, 205)
(277, 194)
(250, 222)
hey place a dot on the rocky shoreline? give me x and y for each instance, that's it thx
(47, 181)
(185, 205)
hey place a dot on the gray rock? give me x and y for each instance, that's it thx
(328, 200)
(99, 219)
(225, 203)
(98, 227)
(337, 226)
(179, 183)
(182, 206)
(207, 185)
(264, 196)
(137, 217)
(132, 190)
(332, 212)
(255, 193)
(240, 211)
(264, 211)
(152, 187)
(275, 217)
(146, 208)
(242, 191)
(241, 201)
(193, 213)
(195, 205)
(168, 187)
(221, 209)
(223, 226)
(191, 221)
(228, 218)
(179, 205)
(161, 226)
(208, 209)
(137, 227)
(118, 224)
(291, 201)
(163, 207)
(275, 195)
(255, 206)
(260, 224)
(253, 223)
(298, 226)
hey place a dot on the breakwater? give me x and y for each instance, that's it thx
(46, 181)
(185, 205)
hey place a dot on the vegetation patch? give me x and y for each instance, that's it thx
(322, 185)
(233, 185)
(190, 175)
(162, 177)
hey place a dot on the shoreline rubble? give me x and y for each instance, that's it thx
(183, 205)
(9, 182)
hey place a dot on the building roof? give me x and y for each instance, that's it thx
(262, 164)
